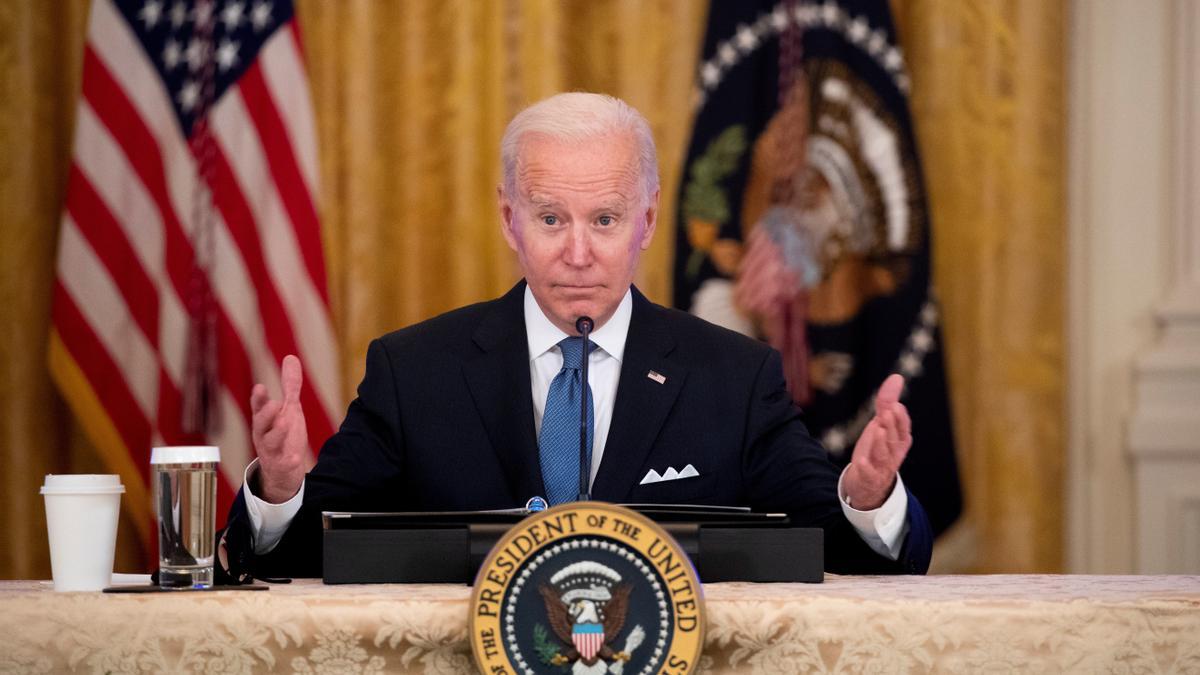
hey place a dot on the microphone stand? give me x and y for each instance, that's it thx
(584, 325)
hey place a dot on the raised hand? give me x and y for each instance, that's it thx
(280, 436)
(880, 450)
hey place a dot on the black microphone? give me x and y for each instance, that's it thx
(584, 325)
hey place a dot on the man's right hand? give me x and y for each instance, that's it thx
(280, 436)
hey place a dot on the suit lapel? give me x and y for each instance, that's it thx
(642, 402)
(499, 383)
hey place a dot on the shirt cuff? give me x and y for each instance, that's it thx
(884, 528)
(268, 521)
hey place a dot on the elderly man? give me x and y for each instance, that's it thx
(468, 410)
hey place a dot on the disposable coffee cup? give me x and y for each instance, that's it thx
(81, 520)
(185, 504)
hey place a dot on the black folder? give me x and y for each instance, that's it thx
(724, 543)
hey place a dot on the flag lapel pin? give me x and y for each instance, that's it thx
(657, 377)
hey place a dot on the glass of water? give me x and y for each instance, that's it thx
(185, 501)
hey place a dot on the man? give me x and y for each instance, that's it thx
(468, 410)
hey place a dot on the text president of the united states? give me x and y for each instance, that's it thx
(466, 410)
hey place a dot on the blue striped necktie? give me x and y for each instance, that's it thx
(559, 443)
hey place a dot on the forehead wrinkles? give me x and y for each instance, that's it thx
(540, 177)
(547, 166)
(606, 200)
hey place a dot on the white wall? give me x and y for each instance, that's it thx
(1134, 287)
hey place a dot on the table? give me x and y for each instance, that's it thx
(848, 624)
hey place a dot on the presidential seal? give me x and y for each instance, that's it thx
(587, 588)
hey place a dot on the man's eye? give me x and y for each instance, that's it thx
(605, 221)
(550, 220)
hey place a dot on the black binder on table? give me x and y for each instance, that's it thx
(725, 543)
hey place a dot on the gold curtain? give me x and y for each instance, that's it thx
(988, 99)
(411, 98)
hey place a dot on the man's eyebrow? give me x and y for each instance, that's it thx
(542, 201)
(617, 205)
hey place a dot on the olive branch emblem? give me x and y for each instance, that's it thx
(705, 202)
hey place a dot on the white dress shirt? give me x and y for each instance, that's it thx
(883, 529)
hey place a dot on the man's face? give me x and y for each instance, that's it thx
(579, 221)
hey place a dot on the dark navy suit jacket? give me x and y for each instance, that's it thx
(444, 421)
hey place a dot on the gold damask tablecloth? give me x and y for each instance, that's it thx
(1036, 624)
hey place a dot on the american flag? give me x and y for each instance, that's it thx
(190, 260)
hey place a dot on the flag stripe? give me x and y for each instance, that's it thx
(135, 289)
(240, 223)
(105, 377)
(129, 78)
(282, 61)
(236, 375)
(286, 172)
(277, 250)
(142, 150)
(101, 159)
(99, 303)
(240, 309)
(114, 252)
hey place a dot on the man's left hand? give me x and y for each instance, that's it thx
(881, 448)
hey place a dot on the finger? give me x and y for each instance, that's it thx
(864, 449)
(899, 441)
(892, 427)
(876, 450)
(903, 421)
(258, 398)
(292, 377)
(889, 391)
(273, 441)
(264, 419)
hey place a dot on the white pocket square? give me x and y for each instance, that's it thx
(653, 476)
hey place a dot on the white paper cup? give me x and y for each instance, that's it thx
(81, 520)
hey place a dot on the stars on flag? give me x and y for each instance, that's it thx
(227, 55)
(190, 41)
(189, 95)
(172, 54)
(151, 13)
(260, 16)
(178, 14)
(196, 54)
(232, 15)
(202, 12)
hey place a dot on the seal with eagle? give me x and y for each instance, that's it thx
(586, 604)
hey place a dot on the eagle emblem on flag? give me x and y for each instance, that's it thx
(586, 603)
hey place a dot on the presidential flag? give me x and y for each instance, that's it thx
(189, 259)
(802, 220)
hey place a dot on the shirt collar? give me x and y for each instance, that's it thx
(543, 335)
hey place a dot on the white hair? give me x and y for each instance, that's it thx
(575, 117)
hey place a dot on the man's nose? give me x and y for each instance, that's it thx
(578, 251)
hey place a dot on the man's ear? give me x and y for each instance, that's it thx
(506, 217)
(651, 221)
